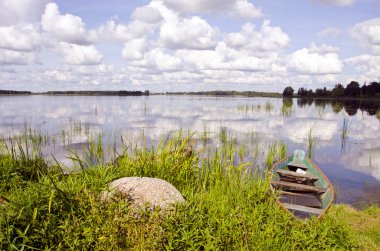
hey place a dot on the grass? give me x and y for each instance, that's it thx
(228, 206)
(364, 224)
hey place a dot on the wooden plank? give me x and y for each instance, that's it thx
(295, 175)
(303, 208)
(297, 187)
(299, 194)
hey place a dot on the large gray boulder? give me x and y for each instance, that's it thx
(144, 191)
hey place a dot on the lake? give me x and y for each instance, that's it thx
(345, 135)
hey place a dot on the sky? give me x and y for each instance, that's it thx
(182, 45)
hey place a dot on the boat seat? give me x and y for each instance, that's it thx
(297, 176)
(305, 209)
(298, 187)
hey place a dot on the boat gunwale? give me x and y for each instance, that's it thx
(329, 185)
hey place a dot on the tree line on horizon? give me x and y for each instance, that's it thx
(353, 89)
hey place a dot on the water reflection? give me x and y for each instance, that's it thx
(346, 134)
(351, 107)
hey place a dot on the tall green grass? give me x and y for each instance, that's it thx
(229, 205)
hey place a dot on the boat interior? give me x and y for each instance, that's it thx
(302, 188)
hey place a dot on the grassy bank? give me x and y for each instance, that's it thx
(229, 206)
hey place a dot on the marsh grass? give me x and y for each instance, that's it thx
(223, 135)
(345, 132)
(372, 156)
(276, 152)
(268, 107)
(248, 109)
(228, 205)
(312, 144)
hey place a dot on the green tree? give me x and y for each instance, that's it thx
(338, 91)
(352, 89)
(288, 91)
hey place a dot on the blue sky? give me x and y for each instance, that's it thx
(180, 45)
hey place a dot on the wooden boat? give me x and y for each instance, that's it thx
(303, 188)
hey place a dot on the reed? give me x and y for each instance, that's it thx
(268, 107)
(312, 143)
(344, 132)
(223, 135)
(372, 156)
(271, 155)
(276, 151)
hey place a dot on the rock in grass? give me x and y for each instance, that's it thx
(144, 191)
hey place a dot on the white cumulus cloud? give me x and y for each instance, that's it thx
(134, 49)
(191, 33)
(10, 57)
(113, 31)
(323, 48)
(21, 11)
(147, 14)
(80, 54)
(67, 28)
(315, 60)
(368, 65)
(19, 37)
(268, 38)
(236, 8)
(368, 34)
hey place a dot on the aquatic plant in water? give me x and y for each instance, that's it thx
(312, 143)
(344, 132)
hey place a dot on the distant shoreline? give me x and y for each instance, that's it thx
(207, 93)
(77, 93)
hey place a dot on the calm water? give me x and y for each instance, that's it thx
(352, 164)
